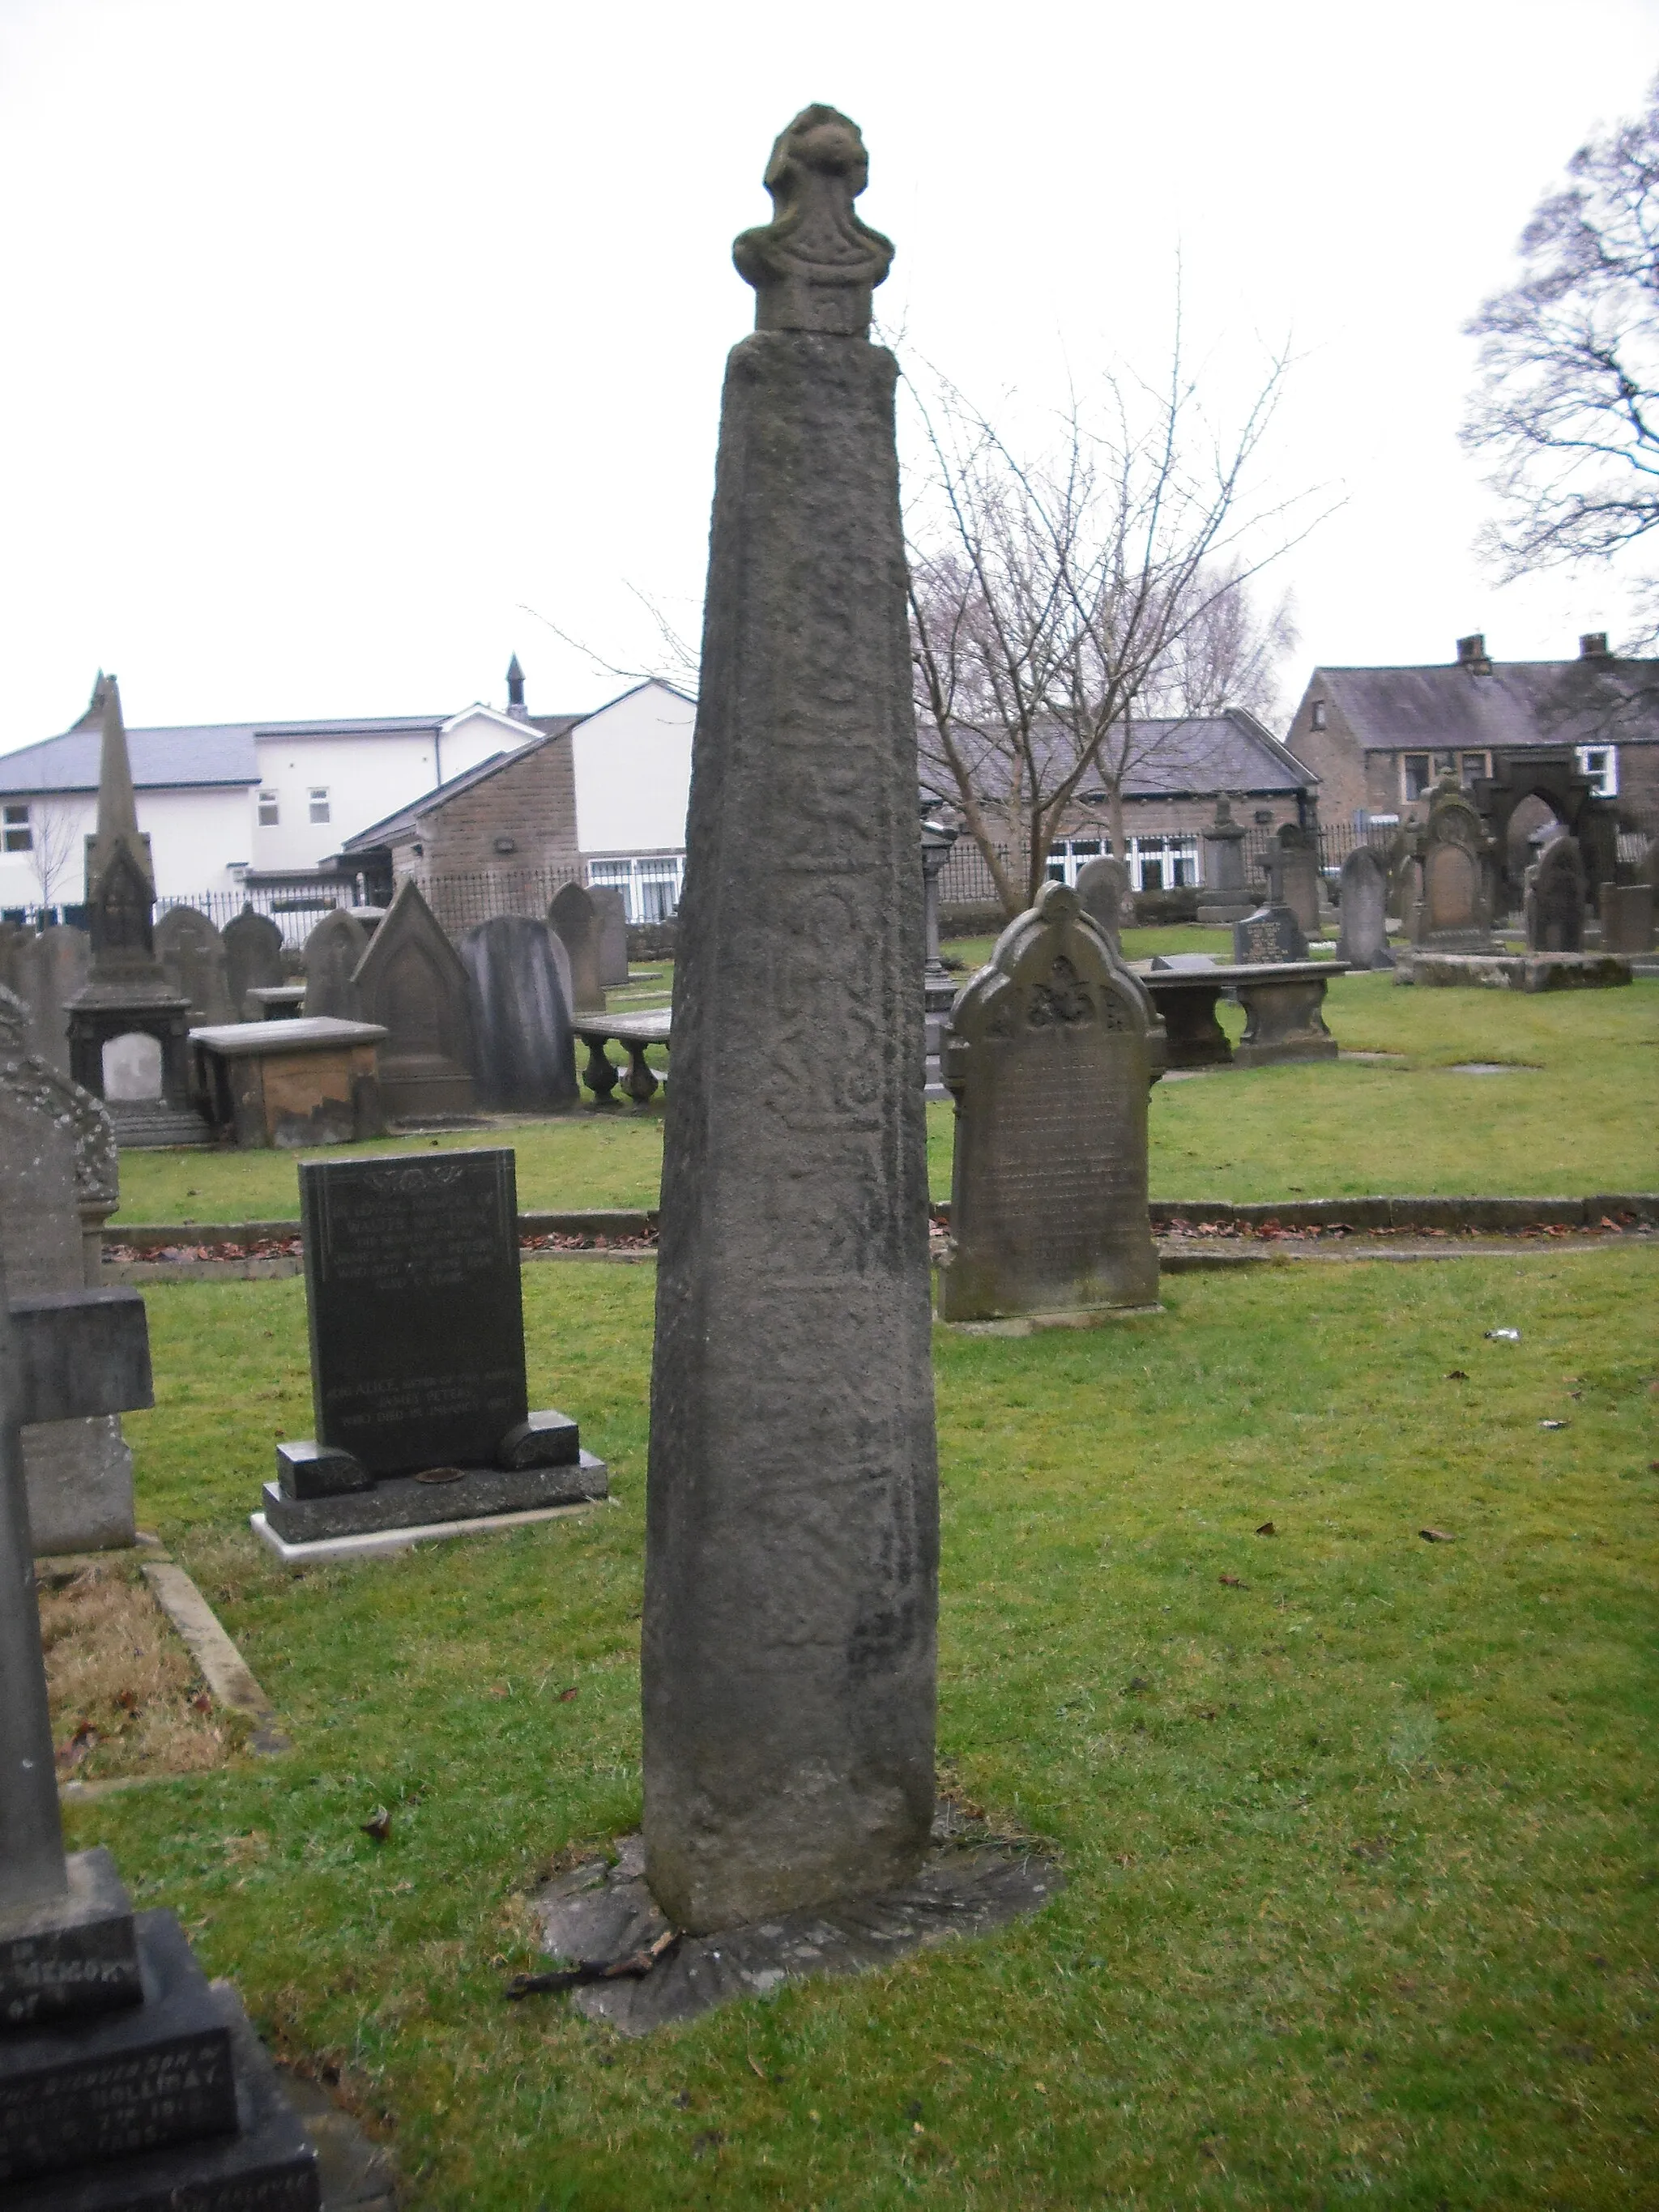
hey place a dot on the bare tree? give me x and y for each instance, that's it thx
(55, 847)
(1064, 608)
(1567, 408)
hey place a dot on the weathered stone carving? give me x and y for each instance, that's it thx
(815, 265)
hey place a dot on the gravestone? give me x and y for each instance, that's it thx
(333, 953)
(1293, 875)
(521, 1015)
(1051, 1051)
(417, 1368)
(1103, 886)
(1453, 912)
(1223, 896)
(611, 909)
(47, 971)
(572, 917)
(410, 982)
(58, 1184)
(1362, 941)
(1272, 933)
(1627, 917)
(253, 960)
(1553, 902)
(791, 1527)
(192, 954)
(126, 2079)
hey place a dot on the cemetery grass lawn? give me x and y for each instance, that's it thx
(1577, 1116)
(1359, 1830)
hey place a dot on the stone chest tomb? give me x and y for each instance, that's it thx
(1051, 1054)
(417, 1367)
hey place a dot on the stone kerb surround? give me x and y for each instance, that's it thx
(791, 1522)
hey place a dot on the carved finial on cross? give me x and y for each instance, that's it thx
(815, 264)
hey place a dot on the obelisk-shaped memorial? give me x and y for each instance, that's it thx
(792, 1524)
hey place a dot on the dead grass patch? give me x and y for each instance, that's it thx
(127, 1697)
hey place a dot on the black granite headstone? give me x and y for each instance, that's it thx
(1272, 933)
(416, 1324)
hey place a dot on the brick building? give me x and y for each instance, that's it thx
(1379, 738)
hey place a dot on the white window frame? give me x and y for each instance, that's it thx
(1316, 714)
(1407, 796)
(1601, 764)
(270, 799)
(1177, 847)
(318, 795)
(640, 877)
(1067, 854)
(19, 835)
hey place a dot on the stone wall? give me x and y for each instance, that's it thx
(531, 798)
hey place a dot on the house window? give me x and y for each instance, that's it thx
(1601, 764)
(650, 886)
(1163, 864)
(1316, 716)
(270, 812)
(1472, 764)
(1416, 776)
(1067, 854)
(19, 837)
(319, 803)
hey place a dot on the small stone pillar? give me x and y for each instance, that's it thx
(937, 985)
(1221, 897)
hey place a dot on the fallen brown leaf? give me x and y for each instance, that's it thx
(1233, 1582)
(1266, 1529)
(1436, 1536)
(378, 1827)
(565, 1696)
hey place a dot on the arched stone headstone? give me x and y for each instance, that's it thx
(1453, 912)
(254, 959)
(1102, 888)
(571, 915)
(611, 908)
(333, 953)
(45, 972)
(58, 1184)
(1363, 939)
(1553, 902)
(1050, 1055)
(411, 982)
(521, 1015)
(192, 952)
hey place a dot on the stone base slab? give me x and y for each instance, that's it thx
(1527, 971)
(74, 1956)
(969, 1883)
(401, 1539)
(404, 1501)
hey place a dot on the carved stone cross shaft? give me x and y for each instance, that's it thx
(63, 1356)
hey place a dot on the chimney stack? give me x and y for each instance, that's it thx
(1472, 654)
(516, 705)
(1592, 646)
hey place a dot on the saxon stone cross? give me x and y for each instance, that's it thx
(793, 1524)
(62, 1356)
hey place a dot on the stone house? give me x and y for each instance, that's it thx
(1380, 739)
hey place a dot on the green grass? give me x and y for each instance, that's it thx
(1362, 1878)
(1579, 1117)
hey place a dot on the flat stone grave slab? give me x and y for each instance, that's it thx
(1528, 971)
(375, 1541)
(603, 1915)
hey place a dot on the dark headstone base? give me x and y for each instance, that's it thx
(968, 1884)
(74, 1956)
(405, 1502)
(266, 2166)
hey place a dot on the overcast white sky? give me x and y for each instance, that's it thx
(339, 330)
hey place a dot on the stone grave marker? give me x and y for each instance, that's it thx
(1453, 912)
(1272, 933)
(192, 956)
(1294, 867)
(572, 917)
(333, 953)
(411, 982)
(417, 1366)
(1627, 917)
(1362, 941)
(1103, 886)
(1223, 896)
(1553, 905)
(611, 910)
(45, 972)
(1052, 1052)
(59, 1185)
(791, 1524)
(527, 1048)
(253, 960)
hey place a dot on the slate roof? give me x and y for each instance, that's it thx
(392, 827)
(219, 753)
(1192, 755)
(1521, 703)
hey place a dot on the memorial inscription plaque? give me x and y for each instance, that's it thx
(1050, 1056)
(1272, 933)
